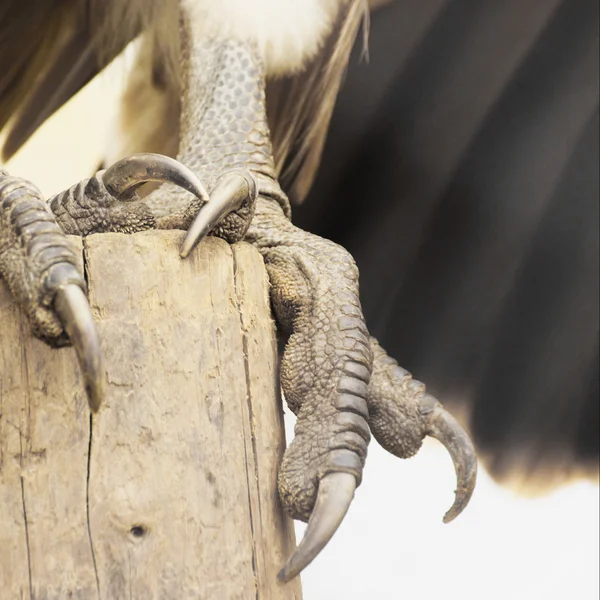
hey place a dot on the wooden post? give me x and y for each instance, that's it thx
(170, 490)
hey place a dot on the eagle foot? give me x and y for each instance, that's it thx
(109, 201)
(340, 383)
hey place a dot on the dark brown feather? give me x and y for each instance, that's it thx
(49, 49)
(72, 68)
(30, 33)
(300, 107)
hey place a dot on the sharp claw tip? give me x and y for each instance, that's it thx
(450, 515)
(445, 428)
(95, 398)
(227, 196)
(186, 248)
(462, 497)
(74, 313)
(194, 236)
(282, 576)
(334, 496)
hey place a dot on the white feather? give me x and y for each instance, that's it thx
(287, 33)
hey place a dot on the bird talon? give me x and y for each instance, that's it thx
(72, 308)
(125, 176)
(446, 429)
(402, 414)
(46, 278)
(335, 494)
(231, 191)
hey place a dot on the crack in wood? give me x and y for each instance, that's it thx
(87, 504)
(21, 457)
(251, 421)
(89, 449)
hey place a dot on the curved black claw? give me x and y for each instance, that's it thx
(126, 175)
(446, 429)
(335, 494)
(230, 192)
(73, 310)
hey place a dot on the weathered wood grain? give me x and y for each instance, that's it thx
(170, 490)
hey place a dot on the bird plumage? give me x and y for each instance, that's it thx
(461, 172)
(63, 44)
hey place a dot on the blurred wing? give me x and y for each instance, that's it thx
(49, 49)
(45, 58)
(461, 171)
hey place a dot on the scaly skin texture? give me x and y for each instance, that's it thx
(334, 376)
(327, 362)
(223, 128)
(397, 403)
(336, 379)
(35, 256)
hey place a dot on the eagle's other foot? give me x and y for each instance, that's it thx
(41, 269)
